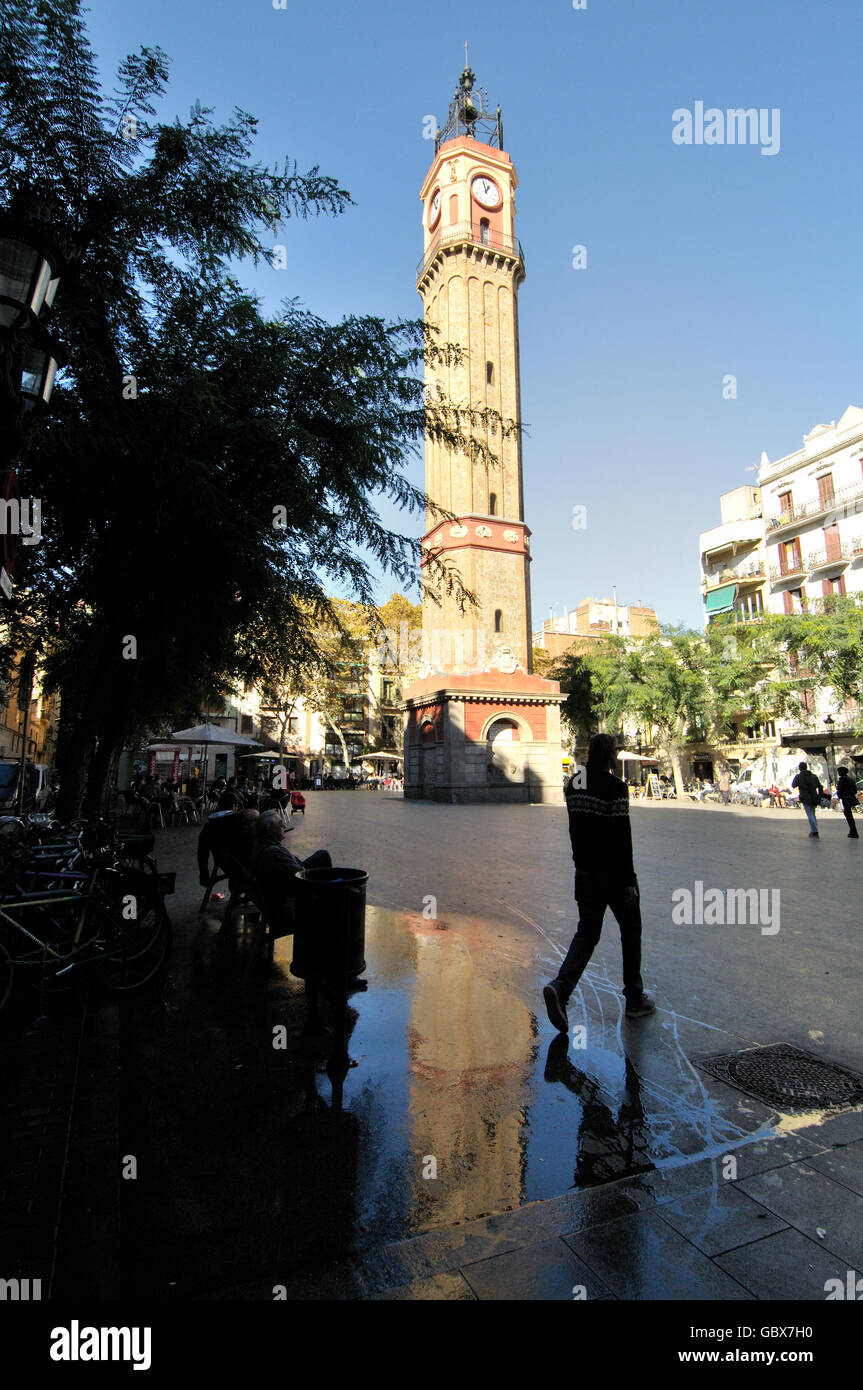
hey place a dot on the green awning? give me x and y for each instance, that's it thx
(721, 600)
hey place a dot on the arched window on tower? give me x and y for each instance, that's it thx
(484, 231)
(498, 620)
(489, 373)
(492, 504)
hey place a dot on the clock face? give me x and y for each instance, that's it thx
(485, 192)
(434, 208)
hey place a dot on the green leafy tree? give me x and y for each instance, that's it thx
(687, 686)
(827, 642)
(580, 708)
(338, 671)
(204, 471)
(396, 632)
(744, 666)
(660, 680)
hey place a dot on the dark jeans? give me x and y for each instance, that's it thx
(594, 893)
(321, 859)
(848, 812)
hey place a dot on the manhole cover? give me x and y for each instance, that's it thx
(786, 1078)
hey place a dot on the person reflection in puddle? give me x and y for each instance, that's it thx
(598, 806)
(608, 1148)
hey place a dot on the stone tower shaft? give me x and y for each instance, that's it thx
(469, 279)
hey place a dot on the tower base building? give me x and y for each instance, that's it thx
(483, 738)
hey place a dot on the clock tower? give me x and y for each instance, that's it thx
(469, 279)
(480, 725)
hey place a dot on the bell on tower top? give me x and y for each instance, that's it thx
(470, 114)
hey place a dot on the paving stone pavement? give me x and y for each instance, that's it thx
(451, 1041)
(700, 1237)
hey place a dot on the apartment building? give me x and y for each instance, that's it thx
(42, 720)
(734, 558)
(590, 622)
(813, 515)
(782, 547)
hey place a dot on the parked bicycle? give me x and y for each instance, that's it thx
(75, 905)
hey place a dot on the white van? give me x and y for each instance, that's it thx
(781, 770)
(36, 786)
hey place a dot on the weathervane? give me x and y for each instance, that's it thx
(470, 114)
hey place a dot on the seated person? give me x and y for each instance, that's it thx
(230, 834)
(231, 798)
(273, 864)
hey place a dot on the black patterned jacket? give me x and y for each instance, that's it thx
(599, 827)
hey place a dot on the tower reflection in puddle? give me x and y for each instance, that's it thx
(470, 1051)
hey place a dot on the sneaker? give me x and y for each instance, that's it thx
(813, 835)
(638, 1008)
(555, 1007)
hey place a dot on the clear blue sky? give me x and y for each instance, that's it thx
(703, 260)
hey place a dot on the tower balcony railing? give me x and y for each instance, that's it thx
(475, 235)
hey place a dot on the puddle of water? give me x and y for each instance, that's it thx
(465, 1108)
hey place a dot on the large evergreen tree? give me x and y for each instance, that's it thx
(203, 471)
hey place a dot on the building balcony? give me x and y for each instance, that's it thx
(752, 574)
(837, 556)
(779, 574)
(810, 511)
(731, 539)
(857, 548)
(470, 234)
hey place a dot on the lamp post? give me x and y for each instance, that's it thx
(830, 724)
(33, 261)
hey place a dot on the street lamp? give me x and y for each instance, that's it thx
(830, 724)
(31, 264)
(35, 254)
(39, 364)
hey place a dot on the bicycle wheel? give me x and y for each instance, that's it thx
(54, 962)
(123, 937)
(137, 863)
(124, 972)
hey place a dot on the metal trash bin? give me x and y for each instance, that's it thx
(330, 926)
